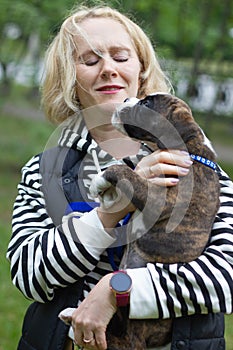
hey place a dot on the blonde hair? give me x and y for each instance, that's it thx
(59, 97)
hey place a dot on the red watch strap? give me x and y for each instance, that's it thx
(121, 283)
(122, 299)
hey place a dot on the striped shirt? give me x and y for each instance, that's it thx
(44, 257)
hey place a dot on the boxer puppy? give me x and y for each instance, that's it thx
(172, 224)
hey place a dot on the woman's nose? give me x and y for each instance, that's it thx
(108, 69)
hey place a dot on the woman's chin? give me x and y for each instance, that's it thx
(99, 114)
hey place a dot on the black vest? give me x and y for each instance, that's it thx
(42, 330)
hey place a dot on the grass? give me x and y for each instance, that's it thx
(19, 140)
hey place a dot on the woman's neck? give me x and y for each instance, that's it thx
(98, 122)
(114, 142)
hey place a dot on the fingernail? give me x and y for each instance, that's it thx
(184, 170)
(188, 162)
(184, 152)
(174, 181)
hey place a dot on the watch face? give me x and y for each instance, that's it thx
(121, 282)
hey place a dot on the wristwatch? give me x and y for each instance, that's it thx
(120, 284)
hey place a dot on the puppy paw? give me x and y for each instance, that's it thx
(103, 190)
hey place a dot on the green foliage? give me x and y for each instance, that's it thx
(178, 29)
(182, 25)
(31, 20)
(179, 24)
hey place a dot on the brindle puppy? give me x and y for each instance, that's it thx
(175, 222)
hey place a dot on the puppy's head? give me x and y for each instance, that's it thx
(159, 118)
(121, 116)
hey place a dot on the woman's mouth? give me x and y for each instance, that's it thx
(109, 89)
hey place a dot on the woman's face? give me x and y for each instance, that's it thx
(108, 67)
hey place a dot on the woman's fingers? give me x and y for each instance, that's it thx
(90, 319)
(167, 169)
(88, 338)
(100, 337)
(163, 167)
(179, 158)
(165, 181)
(94, 339)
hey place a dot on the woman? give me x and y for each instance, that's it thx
(97, 60)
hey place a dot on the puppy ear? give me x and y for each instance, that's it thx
(183, 121)
(178, 126)
(170, 143)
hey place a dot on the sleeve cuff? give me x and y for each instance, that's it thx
(91, 233)
(143, 303)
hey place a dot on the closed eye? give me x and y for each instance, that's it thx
(89, 59)
(91, 62)
(93, 57)
(119, 54)
(121, 59)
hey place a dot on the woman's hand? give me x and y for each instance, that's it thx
(160, 167)
(90, 319)
(163, 167)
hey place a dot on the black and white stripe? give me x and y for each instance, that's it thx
(43, 258)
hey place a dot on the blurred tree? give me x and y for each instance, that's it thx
(181, 26)
(16, 21)
(24, 30)
(179, 29)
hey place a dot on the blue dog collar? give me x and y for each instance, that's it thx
(204, 161)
